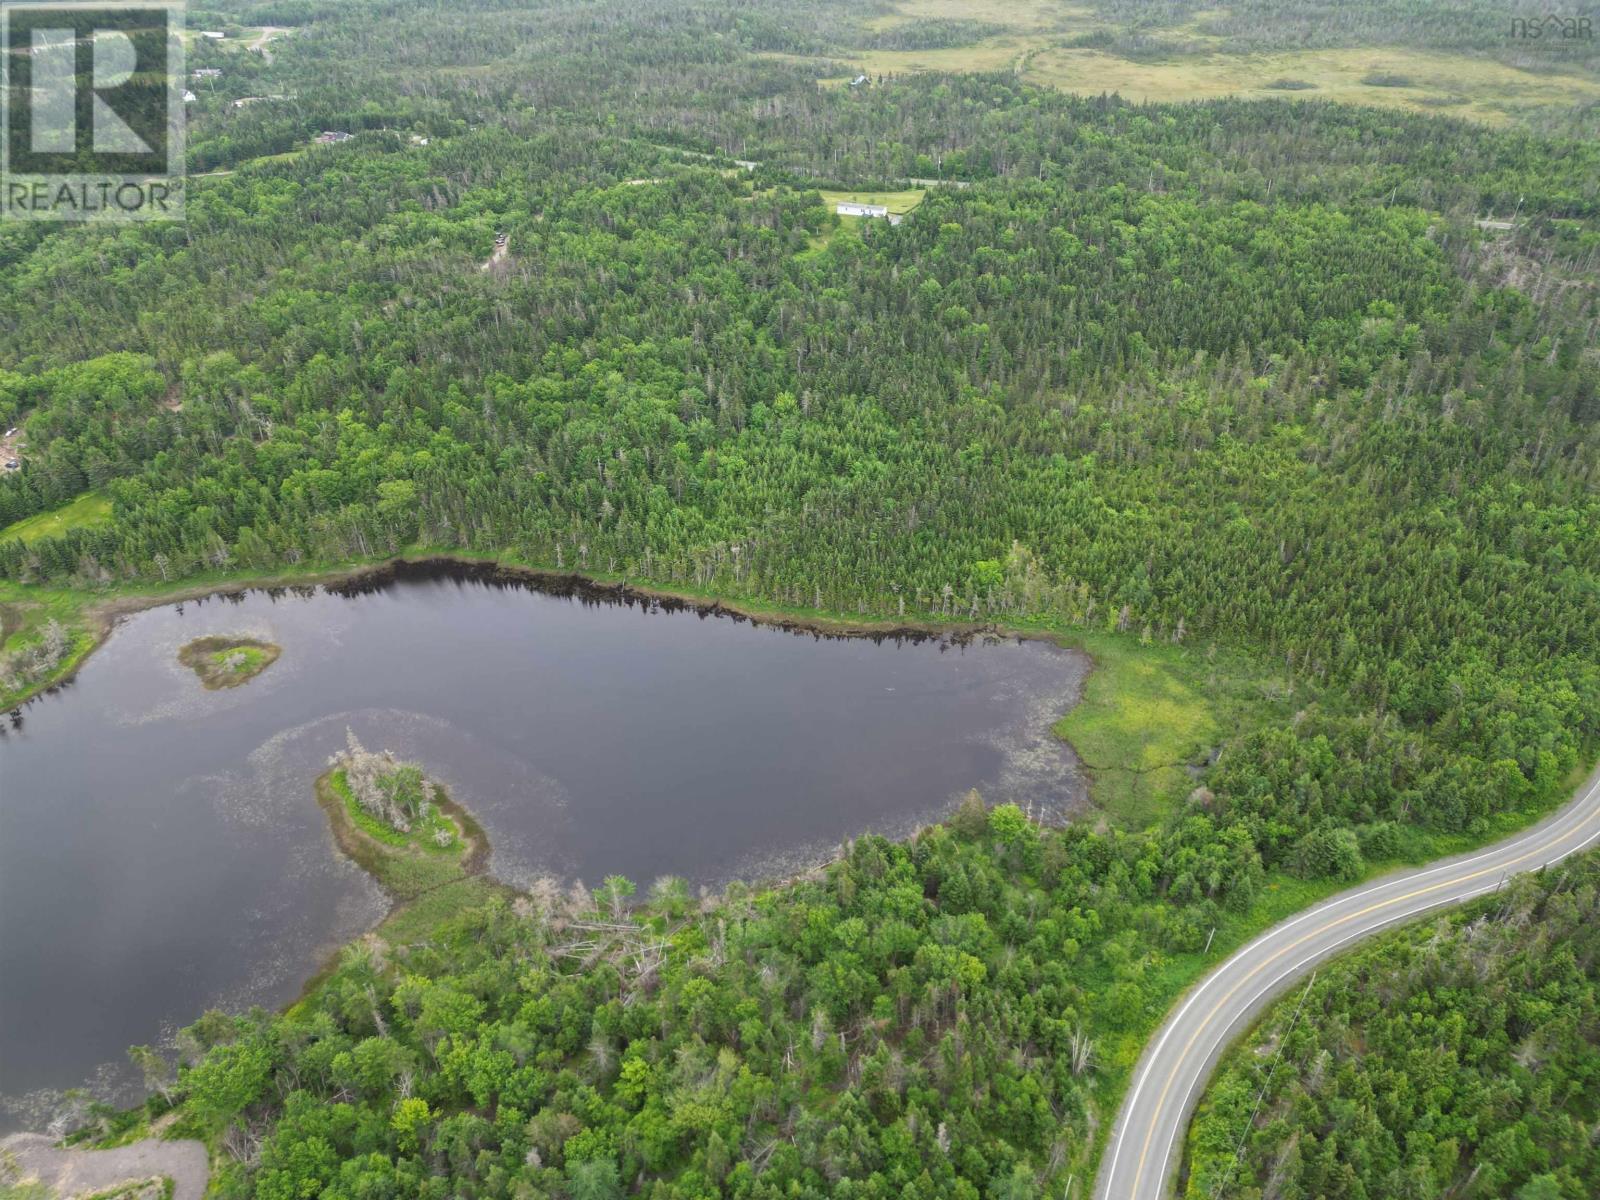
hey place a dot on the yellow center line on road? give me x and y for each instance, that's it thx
(1161, 1101)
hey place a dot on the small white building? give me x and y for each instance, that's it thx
(189, 97)
(207, 73)
(331, 137)
(851, 209)
(214, 34)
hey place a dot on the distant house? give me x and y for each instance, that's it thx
(207, 73)
(216, 34)
(189, 97)
(859, 81)
(851, 209)
(330, 137)
(418, 140)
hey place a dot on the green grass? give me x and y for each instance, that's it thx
(242, 660)
(1150, 713)
(408, 865)
(420, 920)
(88, 510)
(1038, 44)
(896, 202)
(24, 613)
(26, 610)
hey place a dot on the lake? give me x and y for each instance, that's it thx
(162, 852)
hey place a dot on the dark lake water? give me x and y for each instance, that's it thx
(161, 850)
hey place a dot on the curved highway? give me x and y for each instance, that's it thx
(1144, 1149)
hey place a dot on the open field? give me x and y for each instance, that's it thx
(1456, 84)
(896, 202)
(91, 508)
(1151, 714)
(1036, 40)
(1001, 52)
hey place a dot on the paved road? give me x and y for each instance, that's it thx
(1144, 1148)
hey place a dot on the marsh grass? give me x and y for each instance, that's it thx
(1151, 715)
(223, 662)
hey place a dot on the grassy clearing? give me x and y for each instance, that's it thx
(1036, 45)
(1475, 88)
(24, 614)
(999, 53)
(25, 610)
(87, 510)
(898, 203)
(1150, 713)
(1031, 26)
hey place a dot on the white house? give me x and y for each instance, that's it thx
(851, 209)
(215, 34)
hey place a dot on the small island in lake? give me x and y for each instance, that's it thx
(397, 823)
(226, 662)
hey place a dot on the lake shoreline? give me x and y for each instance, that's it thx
(103, 616)
(449, 618)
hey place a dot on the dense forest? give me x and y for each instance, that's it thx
(1319, 423)
(1460, 1057)
(932, 1018)
(1248, 375)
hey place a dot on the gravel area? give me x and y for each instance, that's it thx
(82, 1172)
